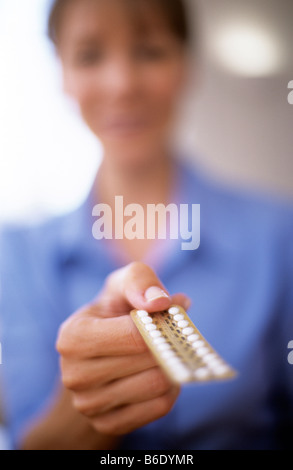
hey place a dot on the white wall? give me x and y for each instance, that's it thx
(47, 156)
(240, 127)
(243, 125)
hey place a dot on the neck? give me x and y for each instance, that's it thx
(147, 183)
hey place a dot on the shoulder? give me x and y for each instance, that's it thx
(248, 228)
(247, 207)
(23, 239)
(32, 264)
(29, 249)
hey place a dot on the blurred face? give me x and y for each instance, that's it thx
(126, 80)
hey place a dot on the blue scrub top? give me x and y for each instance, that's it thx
(240, 281)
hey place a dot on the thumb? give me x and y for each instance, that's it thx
(133, 286)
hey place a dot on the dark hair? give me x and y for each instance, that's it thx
(172, 11)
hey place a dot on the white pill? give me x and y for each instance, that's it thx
(175, 364)
(159, 340)
(151, 327)
(215, 366)
(147, 320)
(192, 338)
(183, 324)
(202, 351)
(164, 346)
(174, 361)
(215, 363)
(221, 370)
(182, 374)
(155, 334)
(210, 358)
(178, 317)
(142, 313)
(201, 373)
(187, 331)
(173, 310)
(198, 344)
(168, 354)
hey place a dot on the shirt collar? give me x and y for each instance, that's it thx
(191, 187)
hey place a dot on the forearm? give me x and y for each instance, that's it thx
(63, 428)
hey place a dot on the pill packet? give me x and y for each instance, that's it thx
(179, 347)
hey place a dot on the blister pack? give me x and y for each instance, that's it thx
(179, 347)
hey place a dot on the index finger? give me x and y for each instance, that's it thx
(88, 336)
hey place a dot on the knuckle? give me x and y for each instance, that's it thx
(79, 404)
(68, 334)
(84, 406)
(158, 382)
(125, 274)
(109, 279)
(117, 277)
(166, 403)
(63, 338)
(106, 426)
(136, 269)
(70, 337)
(72, 377)
(137, 266)
(69, 381)
(92, 402)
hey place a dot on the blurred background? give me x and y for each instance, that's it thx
(236, 122)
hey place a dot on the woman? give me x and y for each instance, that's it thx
(125, 63)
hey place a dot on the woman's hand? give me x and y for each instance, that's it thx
(115, 381)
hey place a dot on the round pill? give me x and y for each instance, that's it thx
(155, 334)
(147, 320)
(192, 338)
(164, 346)
(173, 310)
(178, 317)
(209, 358)
(215, 363)
(168, 354)
(181, 372)
(198, 344)
(221, 370)
(183, 324)
(159, 340)
(187, 331)
(201, 373)
(175, 364)
(202, 351)
(150, 327)
(173, 361)
(142, 313)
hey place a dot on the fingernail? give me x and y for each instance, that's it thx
(155, 292)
